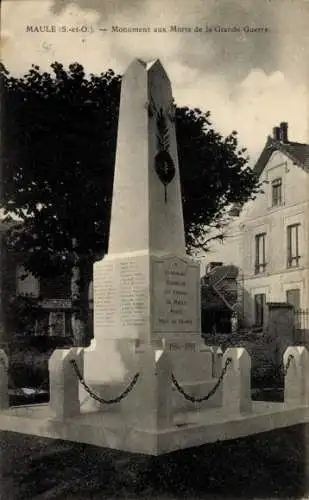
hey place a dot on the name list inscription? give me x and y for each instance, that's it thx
(120, 298)
(133, 297)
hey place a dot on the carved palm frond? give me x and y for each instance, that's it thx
(162, 132)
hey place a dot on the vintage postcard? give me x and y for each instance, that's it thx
(154, 247)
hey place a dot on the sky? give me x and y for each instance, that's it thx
(249, 81)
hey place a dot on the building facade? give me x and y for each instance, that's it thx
(269, 240)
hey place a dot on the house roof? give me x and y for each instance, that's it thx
(222, 272)
(296, 151)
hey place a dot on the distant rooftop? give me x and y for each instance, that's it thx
(298, 152)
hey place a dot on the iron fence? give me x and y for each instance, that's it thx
(301, 323)
(301, 319)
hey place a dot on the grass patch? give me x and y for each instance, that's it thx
(268, 465)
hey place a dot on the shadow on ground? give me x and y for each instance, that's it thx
(269, 465)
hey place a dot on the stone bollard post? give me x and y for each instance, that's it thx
(216, 356)
(218, 362)
(149, 404)
(64, 383)
(237, 381)
(4, 384)
(296, 380)
(213, 350)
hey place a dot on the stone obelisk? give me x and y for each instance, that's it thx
(145, 289)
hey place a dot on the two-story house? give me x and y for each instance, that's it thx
(269, 240)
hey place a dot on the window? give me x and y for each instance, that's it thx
(260, 254)
(55, 287)
(276, 190)
(56, 323)
(293, 245)
(293, 298)
(259, 309)
(26, 283)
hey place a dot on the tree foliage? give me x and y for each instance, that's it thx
(59, 141)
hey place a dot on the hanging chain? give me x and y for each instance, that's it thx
(96, 396)
(194, 399)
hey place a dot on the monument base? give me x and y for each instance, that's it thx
(110, 367)
(190, 429)
(146, 420)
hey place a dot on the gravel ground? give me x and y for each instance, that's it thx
(267, 466)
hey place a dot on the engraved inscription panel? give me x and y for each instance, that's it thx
(175, 296)
(105, 297)
(133, 294)
(121, 292)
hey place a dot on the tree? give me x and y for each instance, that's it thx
(59, 138)
(58, 154)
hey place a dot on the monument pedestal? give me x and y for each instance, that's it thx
(146, 298)
(145, 301)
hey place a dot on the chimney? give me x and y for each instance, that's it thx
(276, 133)
(284, 132)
